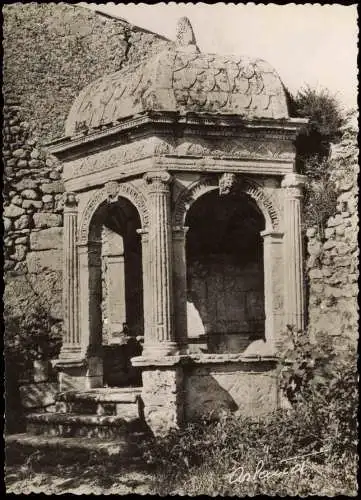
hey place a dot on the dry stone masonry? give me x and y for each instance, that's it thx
(333, 262)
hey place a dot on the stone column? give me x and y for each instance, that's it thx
(293, 250)
(115, 283)
(162, 391)
(273, 287)
(89, 256)
(71, 348)
(180, 285)
(144, 234)
(159, 337)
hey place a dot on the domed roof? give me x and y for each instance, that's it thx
(184, 80)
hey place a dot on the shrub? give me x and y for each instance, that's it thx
(29, 335)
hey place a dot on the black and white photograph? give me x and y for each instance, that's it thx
(180, 248)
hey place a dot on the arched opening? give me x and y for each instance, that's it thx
(118, 286)
(225, 277)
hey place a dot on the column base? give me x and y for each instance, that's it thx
(161, 349)
(79, 374)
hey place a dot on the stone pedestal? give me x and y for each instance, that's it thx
(162, 396)
(162, 392)
(293, 250)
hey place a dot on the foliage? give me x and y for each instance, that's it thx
(30, 335)
(324, 384)
(326, 126)
(326, 119)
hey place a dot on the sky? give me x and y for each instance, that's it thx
(307, 44)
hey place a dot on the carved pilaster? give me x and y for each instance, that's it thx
(71, 337)
(293, 250)
(273, 287)
(160, 335)
(180, 284)
(144, 234)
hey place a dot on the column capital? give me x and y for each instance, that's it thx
(293, 181)
(158, 180)
(70, 201)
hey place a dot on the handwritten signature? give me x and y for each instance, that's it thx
(239, 475)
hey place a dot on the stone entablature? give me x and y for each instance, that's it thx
(164, 166)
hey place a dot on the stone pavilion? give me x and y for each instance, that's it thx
(183, 253)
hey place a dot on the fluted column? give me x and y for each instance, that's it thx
(293, 250)
(71, 338)
(180, 285)
(159, 334)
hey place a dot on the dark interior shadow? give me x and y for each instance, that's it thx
(225, 276)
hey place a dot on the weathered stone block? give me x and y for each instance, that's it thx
(47, 239)
(47, 220)
(329, 231)
(7, 224)
(334, 221)
(329, 244)
(17, 200)
(19, 153)
(30, 194)
(22, 222)
(316, 274)
(26, 184)
(13, 211)
(21, 241)
(37, 262)
(54, 175)
(53, 187)
(20, 252)
(35, 154)
(47, 198)
(32, 204)
(38, 395)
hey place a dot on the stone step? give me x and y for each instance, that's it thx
(80, 425)
(123, 402)
(23, 444)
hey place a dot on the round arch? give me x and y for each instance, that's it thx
(200, 187)
(111, 191)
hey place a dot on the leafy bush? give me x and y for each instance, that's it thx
(323, 384)
(29, 335)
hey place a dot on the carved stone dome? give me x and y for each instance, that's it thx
(182, 80)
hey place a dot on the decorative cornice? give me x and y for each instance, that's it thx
(67, 148)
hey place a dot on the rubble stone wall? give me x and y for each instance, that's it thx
(332, 262)
(51, 51)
